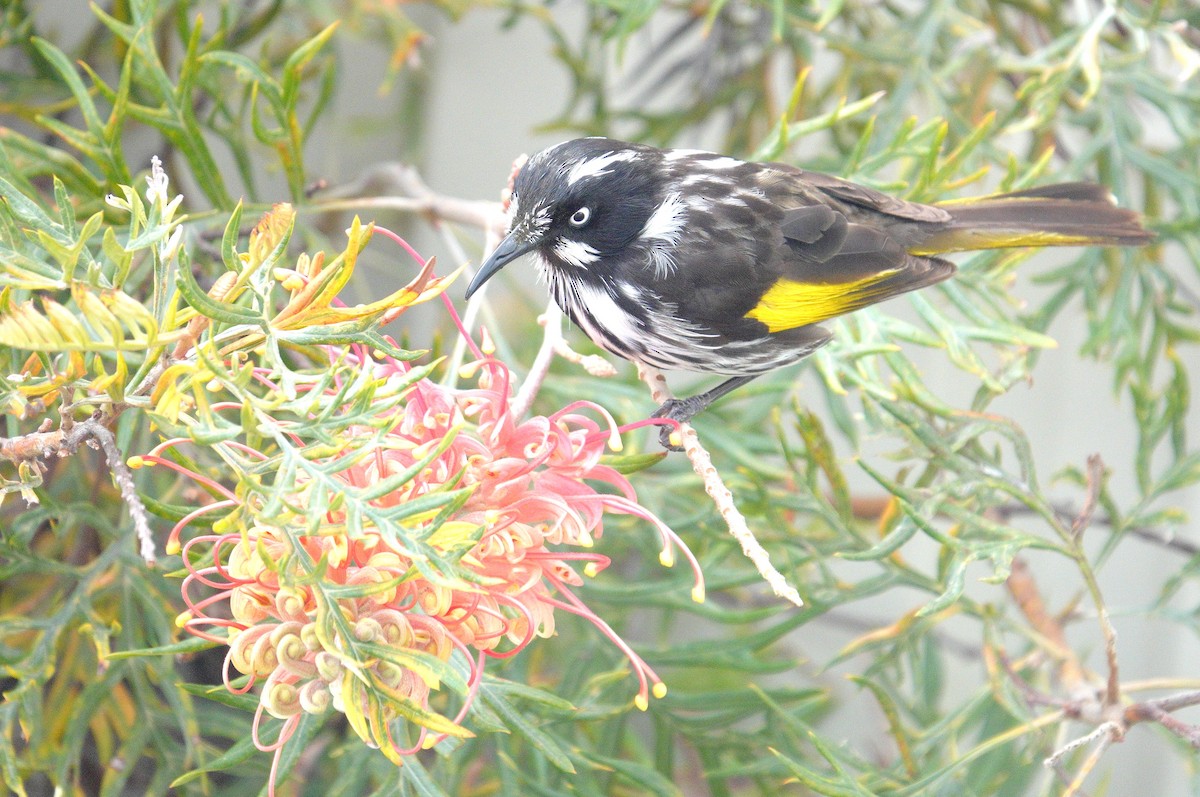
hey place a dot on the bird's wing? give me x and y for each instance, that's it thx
(842, 249)
(789, 249)
(850, 267)
(862, 197)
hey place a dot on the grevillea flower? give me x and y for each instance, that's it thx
(453, 533)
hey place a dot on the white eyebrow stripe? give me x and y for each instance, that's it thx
(723, 162)
(595, 167)
(531, 225)
(680, 154)
(703, 158)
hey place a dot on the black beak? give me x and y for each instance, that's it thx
(509, 249)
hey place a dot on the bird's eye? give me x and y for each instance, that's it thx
(581, 217)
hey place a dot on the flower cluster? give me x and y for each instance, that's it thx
(329, 606)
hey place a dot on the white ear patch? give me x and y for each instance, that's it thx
(595, 167)
(662, 232)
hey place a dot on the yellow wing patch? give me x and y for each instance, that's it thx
(789, 304)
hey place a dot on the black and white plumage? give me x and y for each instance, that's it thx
(684, 259)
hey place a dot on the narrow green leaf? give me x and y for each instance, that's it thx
(30, 213)
(241, 751)
(66, 70)
(627, 464)
(903, 531)
(229, 240)
(543, 742)
(646, 779)
(209, 307)
(182, 648)
(955, 581)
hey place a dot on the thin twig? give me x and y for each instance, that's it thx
(1024, 590)
(65, 441)
(1095, 481)
(123, 476)
(551, 321)
(594, 364)
(399, 187)
(1104, 736)
(1112, 691)
(493, 229)
(714, 485)
(1159, 711)
(1067, 513)
(553, 343)
(1085, 703)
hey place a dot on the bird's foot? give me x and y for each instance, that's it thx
(681, 411)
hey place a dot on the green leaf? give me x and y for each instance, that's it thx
(903, 531)
(627, 464)
(30, 214)
(955, 581)
(645, 778)
(219, 694)
(66, 71)
(241, 751)
(543, 742)
(181, 648)
(229, 241)
(227, 313)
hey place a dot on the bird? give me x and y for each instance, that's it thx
(684, 259)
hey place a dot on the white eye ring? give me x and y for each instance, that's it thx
(581, 217)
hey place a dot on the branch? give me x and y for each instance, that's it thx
(1072, 675)
(1068, 513)
(553, 343)
(398, 186)
(714, 485)
(1159, 711)
(493, 232)
(1102, 708)
(65, 441)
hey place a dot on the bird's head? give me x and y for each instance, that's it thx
(579, 203)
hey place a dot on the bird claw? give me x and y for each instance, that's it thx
(665, 435)
(678, 410)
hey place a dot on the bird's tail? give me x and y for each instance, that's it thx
(1067, 214)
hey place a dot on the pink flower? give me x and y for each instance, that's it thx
(337, 612)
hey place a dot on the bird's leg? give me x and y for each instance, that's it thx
(683, 410)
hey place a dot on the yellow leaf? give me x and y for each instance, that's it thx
(137, 318)
(65, 323)
(271, 230)
(102, 320)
